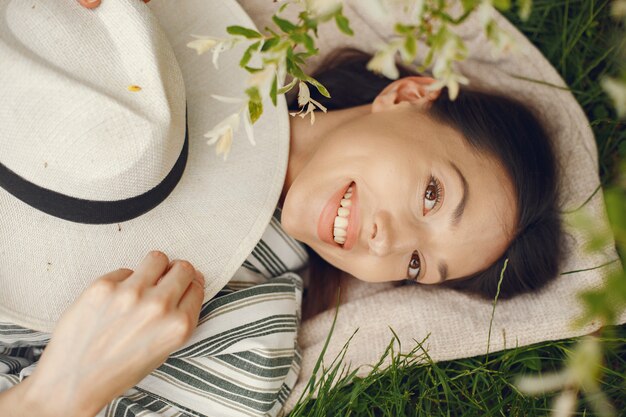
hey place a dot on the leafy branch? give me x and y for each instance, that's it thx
(283, 50)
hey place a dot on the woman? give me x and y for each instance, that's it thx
(407, 187)
(480, 142)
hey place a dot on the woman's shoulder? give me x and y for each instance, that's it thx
(275, 255)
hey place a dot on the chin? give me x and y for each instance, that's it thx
(291, 219)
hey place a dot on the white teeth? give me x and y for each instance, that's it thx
(341, 222)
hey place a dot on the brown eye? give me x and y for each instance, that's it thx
(432, 194)
(414, 266)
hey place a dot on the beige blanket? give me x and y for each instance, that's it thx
(458, 324)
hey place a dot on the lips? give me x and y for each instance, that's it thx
(329, 212)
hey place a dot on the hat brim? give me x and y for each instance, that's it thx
(213, 218)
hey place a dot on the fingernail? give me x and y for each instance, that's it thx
(200, 278)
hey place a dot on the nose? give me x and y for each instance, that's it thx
(385, 236)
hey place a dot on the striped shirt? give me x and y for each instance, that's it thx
(242, 359)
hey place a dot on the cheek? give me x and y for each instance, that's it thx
(370, 269)
(298, 212)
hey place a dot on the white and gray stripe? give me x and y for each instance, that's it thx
(242, 359)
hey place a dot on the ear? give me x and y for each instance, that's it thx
(413, 90)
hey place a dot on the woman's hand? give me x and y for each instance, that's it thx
(121, 328)
(90, 4)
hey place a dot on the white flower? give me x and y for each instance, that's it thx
(263, 79)
(525, 7)
(443, 70)
(485, 12)
(451, 80)
(565, 404)
(616, 89)
(418, 10)
(502, 41)
(323, 9)
(384, 63)
(618, 8)
(305, 100)
(203, 44)
(222, 134)
(304, 94)
(376, 9)
(581, 374)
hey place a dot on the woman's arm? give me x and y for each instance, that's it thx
(20, 401)
(120, 329)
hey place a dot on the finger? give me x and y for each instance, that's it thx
(191, 301)
(151, 268)
(118, 275)
(174, 283)
(90, 4)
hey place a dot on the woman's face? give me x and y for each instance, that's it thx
(423, 205)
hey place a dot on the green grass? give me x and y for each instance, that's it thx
(577, 38)
(412, 385)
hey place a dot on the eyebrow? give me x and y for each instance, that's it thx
(443, 271)
(456, 218)
(460, 208)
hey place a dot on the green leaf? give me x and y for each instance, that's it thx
(288, 87)
(304, 55)
(524, 9)
(306, 40)
(256, 110)
(254, 94)
(273, 90)
(298, 59)
(502, 5)
(269, 43)
(255, 105)
(284, 25)
(252, 70)
(292, 66)
(323, 91)
(309, 43)
(242, 31)
(616, 208)
(248, 54)
(295, 70)
(410, 45)
(343, 24)
(401, 29)
(469, 4)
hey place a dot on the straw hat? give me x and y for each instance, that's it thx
(102, 153)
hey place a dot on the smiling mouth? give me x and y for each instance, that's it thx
(341, 222)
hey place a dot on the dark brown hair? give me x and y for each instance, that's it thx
(499, 126)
